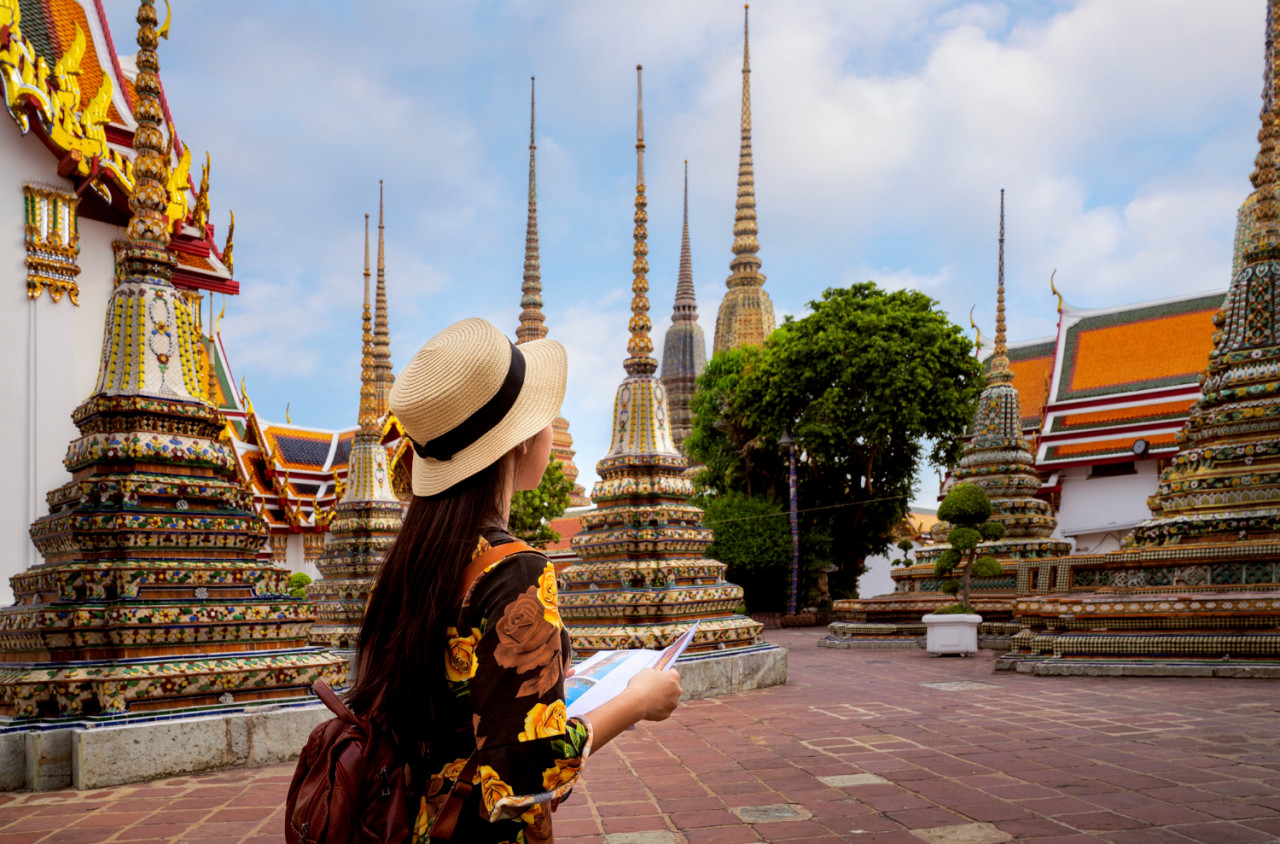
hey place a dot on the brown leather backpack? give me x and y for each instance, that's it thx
(350, 787)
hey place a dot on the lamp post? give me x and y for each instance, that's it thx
(788, 442)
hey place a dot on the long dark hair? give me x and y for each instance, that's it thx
(402, 640)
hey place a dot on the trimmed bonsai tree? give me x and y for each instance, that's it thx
(968, 509)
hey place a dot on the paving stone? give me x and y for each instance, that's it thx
(969, 833)
(848, 780)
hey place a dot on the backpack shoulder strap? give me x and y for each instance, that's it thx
(331, 700)
(495, 554)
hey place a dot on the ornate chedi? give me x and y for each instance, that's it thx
(643, 579)
(365, 522)
(149, 597)
(999, 459)
(533, 322)
(684, 351)
(746, 312)
(1196, 589)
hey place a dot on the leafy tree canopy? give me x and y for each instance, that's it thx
(865, 383)
(533, 510)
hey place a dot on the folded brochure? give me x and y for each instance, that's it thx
(604, 675)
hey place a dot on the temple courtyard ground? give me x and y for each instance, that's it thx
(864, 746)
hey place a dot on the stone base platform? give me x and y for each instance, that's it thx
(731, 672)
(1153, 668)
(992, 635)
(85, 755)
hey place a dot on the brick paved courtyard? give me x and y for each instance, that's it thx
(864, 746)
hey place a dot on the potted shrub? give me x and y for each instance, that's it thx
(954, 628)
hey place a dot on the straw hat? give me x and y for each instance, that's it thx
(469, 396)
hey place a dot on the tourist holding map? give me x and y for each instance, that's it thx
(463, 654)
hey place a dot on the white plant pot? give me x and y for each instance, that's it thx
(951, 633)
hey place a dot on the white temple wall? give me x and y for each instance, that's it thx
(53, 350)
(876, 580)
(295, 558)
(1097, 513)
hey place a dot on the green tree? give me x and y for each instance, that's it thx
(753, 539)
(298, 584)
(968, 508)
(870, 383)
(533, 510)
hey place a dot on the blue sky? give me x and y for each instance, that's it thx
(1123, 133)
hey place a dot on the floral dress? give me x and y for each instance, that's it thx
(505, 664)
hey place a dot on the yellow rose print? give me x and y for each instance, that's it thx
(492, 788)
(460, 655)
(548, 595)
(544, 721)
(565, 771)
(453, 769)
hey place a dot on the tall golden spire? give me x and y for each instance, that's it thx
(369, 415)
(640, 347)
(746, 315)
(147, 235)
(999, 369)
(745, 261)
(532, 321)
(383, 375)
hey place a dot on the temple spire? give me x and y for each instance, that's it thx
(640, 347)
(1264, 241)
(532, 321)
(686, 303)
(746, 315)
(384, 376)
(368, 387)
(745, 231)
(999, 369)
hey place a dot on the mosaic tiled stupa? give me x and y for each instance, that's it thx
(365, 522)
(533, 321)
(1196, 589)
(684, 350)
(643, 580)
(999, 459)
(746, 312)
(149, 597)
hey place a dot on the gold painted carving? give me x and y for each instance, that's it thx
(52, 236)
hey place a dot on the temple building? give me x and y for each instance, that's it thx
(364, 524)
(69, 169)
(684, 350)
(1196, 587)
(998, 458)
(533, 321)
(643, 579)
(150, 597)
(746, 312)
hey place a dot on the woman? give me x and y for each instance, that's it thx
(453, 668)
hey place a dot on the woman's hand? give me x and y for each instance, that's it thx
(655, 694)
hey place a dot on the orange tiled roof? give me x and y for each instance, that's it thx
(566, 526)
(1160, 411)
(1101, 448)
(60, 20)
(1161, 345)
(186, 259)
